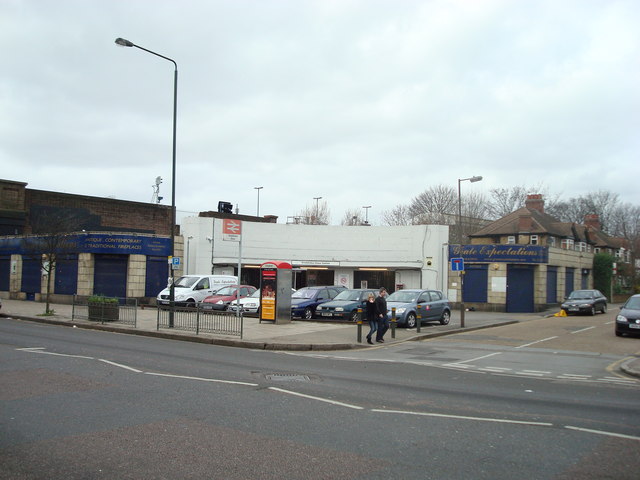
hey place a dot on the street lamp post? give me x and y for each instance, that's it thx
(366, 214)
(258, 209)
(189, 238)
(473, 179)
(317, 199)
(172, 292)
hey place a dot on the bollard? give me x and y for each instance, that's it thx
(418, 318)
(359, 323)
(393, 322)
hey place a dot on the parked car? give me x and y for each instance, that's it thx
(585, 301)
(345, 305)
(433, 307)
(191, 289)
(305, 300)
(226, 295)
(628, 320)
(250, 304)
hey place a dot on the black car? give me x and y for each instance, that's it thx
(585, 301)
(628, 320)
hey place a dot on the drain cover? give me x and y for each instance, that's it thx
(287, 377)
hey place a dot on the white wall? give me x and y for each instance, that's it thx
(405, 249)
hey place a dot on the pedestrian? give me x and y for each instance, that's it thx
(371, 312)
(383, 321)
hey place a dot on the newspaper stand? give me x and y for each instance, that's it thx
(275, 292)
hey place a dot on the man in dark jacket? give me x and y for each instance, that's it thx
(383, 321)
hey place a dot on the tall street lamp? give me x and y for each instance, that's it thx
(474, 179)
(172, 295)
(258, 209)
(316, 199)
(189, 238)
(366, 214)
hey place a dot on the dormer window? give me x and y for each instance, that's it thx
(511, 240)
(534, 240)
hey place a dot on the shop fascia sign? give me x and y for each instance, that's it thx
(314, 263)
(500, 253)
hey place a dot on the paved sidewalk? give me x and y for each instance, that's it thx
(297, 335)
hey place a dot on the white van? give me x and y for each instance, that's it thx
(191, 289)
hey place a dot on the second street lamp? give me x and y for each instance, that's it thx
(172, 295)
(473, 179)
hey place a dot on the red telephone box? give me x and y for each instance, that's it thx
(275, 292)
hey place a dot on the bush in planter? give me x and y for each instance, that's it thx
(103, 309)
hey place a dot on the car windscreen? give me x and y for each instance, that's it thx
(581, 295)
(304, 293)
(351, 295)
(404, 297)
(186, 282)
(633, 303)
(225, 291)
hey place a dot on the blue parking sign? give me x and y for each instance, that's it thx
(457, 264)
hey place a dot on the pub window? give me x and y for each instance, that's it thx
(581, 247)
(567, 243)
(533, 240)
(596, 250)
(552, 241)
(511, 240)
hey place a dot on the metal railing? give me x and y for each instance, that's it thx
(105, 309)
(200, 320)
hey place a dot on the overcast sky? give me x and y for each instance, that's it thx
(362, 102)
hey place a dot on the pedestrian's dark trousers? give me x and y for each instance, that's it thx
(383, 326)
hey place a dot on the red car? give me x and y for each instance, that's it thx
(226, 295)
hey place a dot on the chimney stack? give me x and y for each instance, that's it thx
(535, 202)
(593, 221)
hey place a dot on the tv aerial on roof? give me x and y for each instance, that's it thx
(155, 198)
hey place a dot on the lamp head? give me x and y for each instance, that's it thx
(124, 43)
(477, 178)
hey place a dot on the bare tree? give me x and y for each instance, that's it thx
(399, 215)
(352, 217)
(316, 214)
(503, 201)
(434, 206)
(52, 228)
(602, 203)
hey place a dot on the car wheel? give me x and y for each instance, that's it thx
(191, 303)
(308, 314)
(411, 320)
(592, 311)
(604, 308)
(354, 316)
(446, 317)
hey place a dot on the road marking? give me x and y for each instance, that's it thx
(120, 365)
(530, 374)
(537, 341)
(30, 349)
(474, 359)
(536, 372)
(582, 330)
(39, 350)
(494, 369)
(320, 399)
(200, 379)
(462, 417)
(601, 432)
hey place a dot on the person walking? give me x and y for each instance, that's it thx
(383, 321)
(371, 312)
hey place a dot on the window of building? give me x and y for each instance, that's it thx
(596, 250)
(581, 247)
(534, 240)
(567, 243)
(511, 240)
(552, 241)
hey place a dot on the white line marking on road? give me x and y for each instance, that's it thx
(537, 341)
(213, 380)
(571, 375)
(609, 323)
(462, 417)
(120, 365)
(320, 399)
(537, 371)
(495, 369)
(600, 432)
(474, 359)
(530, 374)
(582, 330)
(31, 350)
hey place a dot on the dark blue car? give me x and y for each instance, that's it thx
(305, 300)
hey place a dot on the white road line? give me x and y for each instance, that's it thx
(494, 369)
(600, 432)
(119, 365)
(582, 330)
(537, 341)
(609, 323)
(571, 375)
(462, 417)
(200, 379)
(530, 374)
(537, 371)
(31, 350)
(474, 359)
(320, 399)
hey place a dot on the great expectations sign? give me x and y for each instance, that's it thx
(500, 253)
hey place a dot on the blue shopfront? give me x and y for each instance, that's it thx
(501, 277)
(86, 263)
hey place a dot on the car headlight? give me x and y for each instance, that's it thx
(401, 310)
(339, 309)
(250, 305)
(621, 318)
